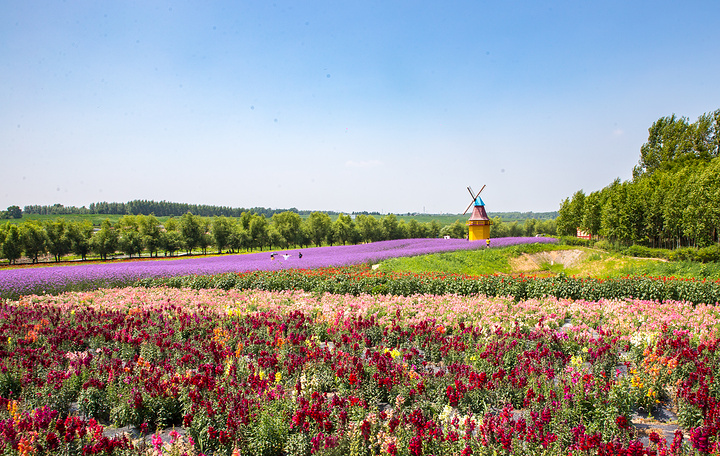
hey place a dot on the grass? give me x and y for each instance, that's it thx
(471, 262)
(592, 263)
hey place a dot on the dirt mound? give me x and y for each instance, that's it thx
(538, 261)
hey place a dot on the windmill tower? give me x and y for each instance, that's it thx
(479, 223)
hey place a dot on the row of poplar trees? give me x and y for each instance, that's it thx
(134, 234)
(673, 198)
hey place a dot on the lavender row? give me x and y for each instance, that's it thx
(41, 280)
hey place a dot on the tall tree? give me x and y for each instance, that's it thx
(104, 242)
(11, 245)
(14, 212)
(259, 231)
(344, 229)
(34, 239)
(319, 226)
(130, 241)
(80, 234)
(288, 225)
(390, 227)
(369, 228)
(191, 231)
(221, 230)
(149, 228)
(58, 240)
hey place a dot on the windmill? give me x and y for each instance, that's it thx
(479, 222)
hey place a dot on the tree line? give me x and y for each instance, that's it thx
(133, 235)
(673, 198)
(157, 208)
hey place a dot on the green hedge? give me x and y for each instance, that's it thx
(360, 279)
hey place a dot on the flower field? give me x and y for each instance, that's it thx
(15, 282)
(297, 373)
(243, 355)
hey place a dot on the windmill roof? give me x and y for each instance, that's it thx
(479, 213)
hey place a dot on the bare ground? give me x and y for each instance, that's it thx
(536, 261)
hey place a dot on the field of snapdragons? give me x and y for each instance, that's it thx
(206, 370)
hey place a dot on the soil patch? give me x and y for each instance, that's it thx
(537, 261)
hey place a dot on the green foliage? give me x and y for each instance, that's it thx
(357, 280)
(673, 199)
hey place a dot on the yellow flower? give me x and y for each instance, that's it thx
(262, 375)
(278, 377)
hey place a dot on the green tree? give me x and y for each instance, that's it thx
(239, 238)
(288, 225)
(58, 239)
(369, 228)
(33, 239)
(344, 229)
(390, 225)
(415, 230)
(222, 228)
(191, 230)
(319, 227)
(171, 239)
(259, 231)
(13, 212)
(129, 241)
(80, 234)
(275, 239)
(432, 229)
(104, 242)
(11, 245)
(205, 236)
(456, 230)
(149, 228)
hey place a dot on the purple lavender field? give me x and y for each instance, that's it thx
(54, 279)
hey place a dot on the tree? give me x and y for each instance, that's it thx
(105, 240)
(80, 234)
(590, 222)
(259, 231)
(205, 238)
(674, 142)
(191, 231)
(390, 227)
(13, 212)
(11, 245)
(344, 229)
(58, 240)
(149, 228)
(130, 241)
(432, 229)
(319, 226)
(222, 228)
(34, 239)
(369, 228)
(239, 238)
(288, 225)
(456, 230)
(415, 230)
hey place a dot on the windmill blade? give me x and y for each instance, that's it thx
(474, 197)
(468, 208)
(471, 191)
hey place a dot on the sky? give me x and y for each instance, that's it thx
(387, 106)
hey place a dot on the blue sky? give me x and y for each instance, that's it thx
(390, 106)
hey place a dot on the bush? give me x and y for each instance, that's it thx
(356, 280)
(646, 252)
